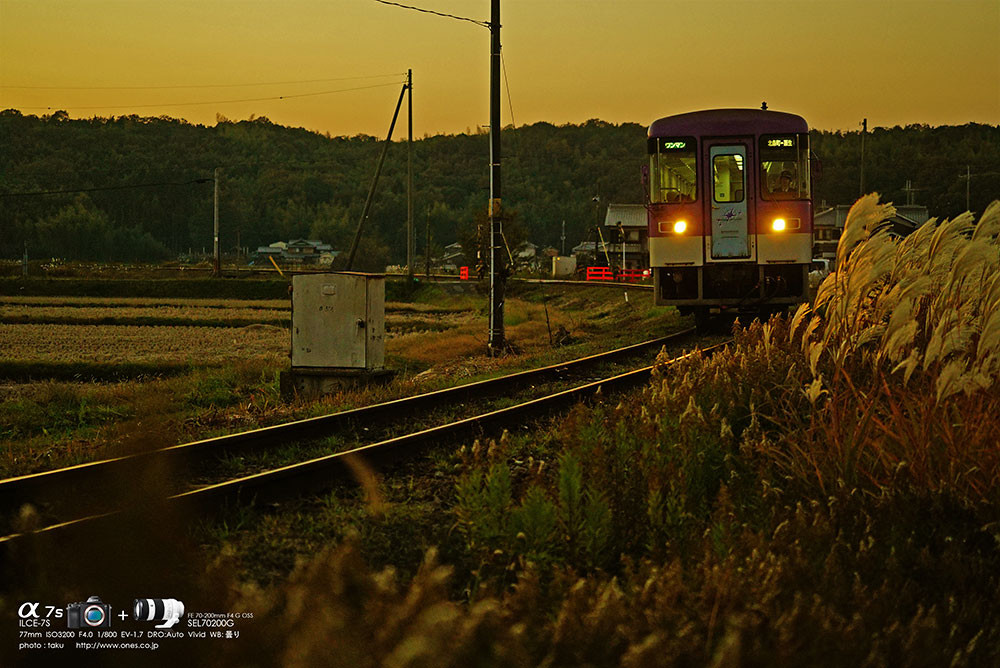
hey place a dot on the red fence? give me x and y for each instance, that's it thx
(600, 274)
(633, 275)
(609, 274)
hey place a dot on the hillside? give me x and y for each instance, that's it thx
(281, 183)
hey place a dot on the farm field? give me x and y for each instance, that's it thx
(79, 375)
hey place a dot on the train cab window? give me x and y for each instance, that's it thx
(728, 178)
(784, 166)
(673, 169)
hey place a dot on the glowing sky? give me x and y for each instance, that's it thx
(834, 62)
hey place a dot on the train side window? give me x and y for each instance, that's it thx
(784, 166)
(728, 178)
(673, 167)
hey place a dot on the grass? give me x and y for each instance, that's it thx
(215, 380)
(808, 497)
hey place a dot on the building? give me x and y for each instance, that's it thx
(301, 251)
(453, 258)
(629, 221)
(828, 224)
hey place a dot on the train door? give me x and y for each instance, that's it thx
(728, 181)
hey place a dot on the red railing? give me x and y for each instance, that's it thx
(624, 275)
(600, 274)
(633, 275)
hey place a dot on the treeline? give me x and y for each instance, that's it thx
(145, 184)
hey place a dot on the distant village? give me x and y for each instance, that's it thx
(622, 241)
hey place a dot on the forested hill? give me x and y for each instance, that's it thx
(279, 183)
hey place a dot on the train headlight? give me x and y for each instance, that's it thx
(680, 227)
(778, 225)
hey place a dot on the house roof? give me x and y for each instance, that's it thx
(629, 215)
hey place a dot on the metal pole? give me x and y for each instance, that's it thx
(371, 190)
(495, 343)
(410, 241)
(427, 245)
(216, 265)
(621, 233)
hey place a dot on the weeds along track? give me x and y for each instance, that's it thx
(72, 499)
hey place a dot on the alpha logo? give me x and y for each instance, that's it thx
(28, 610)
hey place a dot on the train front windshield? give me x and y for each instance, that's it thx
(673, 165)
(784, 166)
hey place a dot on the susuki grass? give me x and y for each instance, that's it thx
(822, 493)
(903, 354)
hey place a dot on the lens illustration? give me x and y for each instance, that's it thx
(165, 610)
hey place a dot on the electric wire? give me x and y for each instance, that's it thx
(102, 188)
(485, 24)
(239, 85)
(189, 104)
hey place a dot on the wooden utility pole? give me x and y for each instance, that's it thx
(498, 279)
(410, 240)
(968, 181)
(217, 262)
(864, 131)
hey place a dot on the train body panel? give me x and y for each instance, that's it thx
(730, 214)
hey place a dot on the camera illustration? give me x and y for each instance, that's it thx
(166, 610)
(90, 614)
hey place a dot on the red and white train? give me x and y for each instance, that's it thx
(730, 211)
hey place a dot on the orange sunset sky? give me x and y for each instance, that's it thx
(834, 62)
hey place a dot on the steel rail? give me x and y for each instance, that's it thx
(322, 473)
(40, 488)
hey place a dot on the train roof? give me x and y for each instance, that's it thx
(720, 122)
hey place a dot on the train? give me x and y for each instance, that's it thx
(730, 211)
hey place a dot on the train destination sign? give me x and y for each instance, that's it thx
(781, 142)
(676, 144)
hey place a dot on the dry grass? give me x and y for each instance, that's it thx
(195, 315)
(109, 344)
(823, 493)
(145, 302)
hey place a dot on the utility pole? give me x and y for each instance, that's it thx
(410, 241)
(910, 191)
(968, 180)
(563, 237)
(216, 264)
(864, 131)
(495, 344)
(427, 245)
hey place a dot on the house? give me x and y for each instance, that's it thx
(452, 259)
(828, 225)
(626, 231)
(303, 251)
(526, 255)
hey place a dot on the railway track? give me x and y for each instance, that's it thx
(131, 474)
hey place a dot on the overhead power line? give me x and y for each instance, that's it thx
(184, 86)
(485, 24)
(189, 104)
(124, 187)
